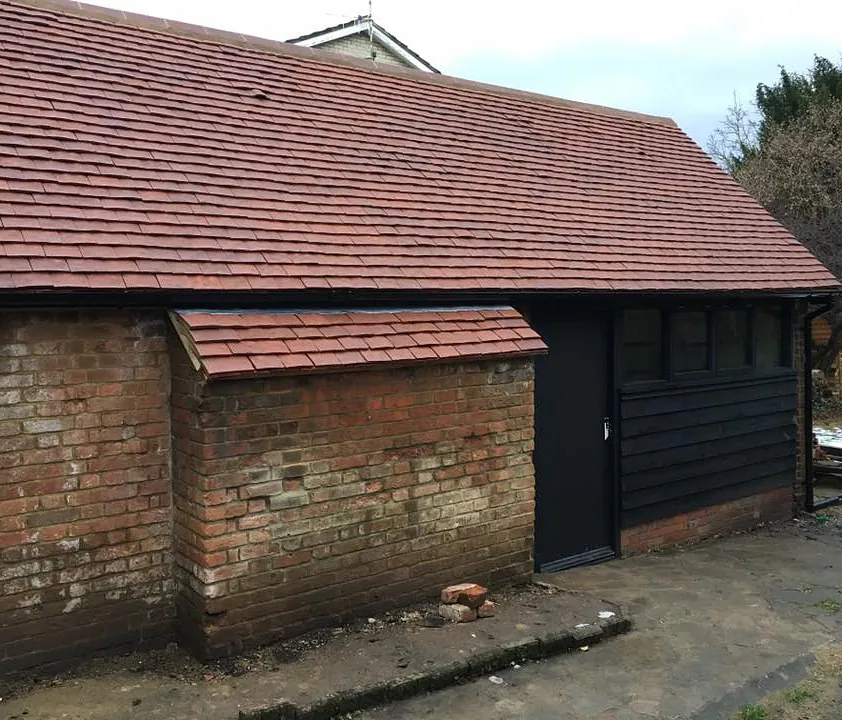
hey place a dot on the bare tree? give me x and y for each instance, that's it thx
(798, 178)
(735, 138)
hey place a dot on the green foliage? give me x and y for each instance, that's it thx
(796, 174)
(826, 407)
(795, 93)
(797, 696)
(789, 158)
(830, 605)
(753, 712)
(743, 136)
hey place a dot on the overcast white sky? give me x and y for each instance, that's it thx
(659, 56)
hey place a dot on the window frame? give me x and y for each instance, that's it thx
(674, 374)
(670, 376)
(751, 352)
(786, 361)
(664, 348)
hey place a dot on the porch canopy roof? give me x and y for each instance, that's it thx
(142, 155)
(234, 344)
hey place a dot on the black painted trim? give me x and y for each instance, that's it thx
(586, 558)
(171, 299)
(614, 373)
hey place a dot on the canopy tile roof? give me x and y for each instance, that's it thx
(233, 344)
(138, 154)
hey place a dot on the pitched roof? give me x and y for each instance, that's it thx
(141, 154)
(228, 344)
(365, 24)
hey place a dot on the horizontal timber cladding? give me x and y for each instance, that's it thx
(691, 446)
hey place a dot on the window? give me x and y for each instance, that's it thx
(769, 338)
(643, 356)
(733, 340)
(697, 343)
(689, 335)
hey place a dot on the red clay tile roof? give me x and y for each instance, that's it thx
(230, 344)
(177, 158)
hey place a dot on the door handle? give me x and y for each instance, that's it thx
(606, 427)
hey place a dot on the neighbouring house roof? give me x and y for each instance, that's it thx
(230, 344)
(365, 25)
(141, 155)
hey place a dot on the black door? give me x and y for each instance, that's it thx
(574, 502)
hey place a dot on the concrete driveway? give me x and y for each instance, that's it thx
(716, 627)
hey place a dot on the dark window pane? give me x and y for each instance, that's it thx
(733, 344)
(768, 333)
(690, 342)
(643, 356)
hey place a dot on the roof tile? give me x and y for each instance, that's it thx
(294, 361)
(213, 337)
(201, 187)
(226, 366)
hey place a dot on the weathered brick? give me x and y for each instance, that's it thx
(67, 534)
(352, 515)
(729, 517)
(487, 609)
(469, 594)
(457, 613)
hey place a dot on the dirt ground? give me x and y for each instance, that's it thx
(818, 697)
(383, 650)
(174, 663)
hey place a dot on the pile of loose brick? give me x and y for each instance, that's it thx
(465, 603)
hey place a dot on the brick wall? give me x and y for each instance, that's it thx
(84, 484)
(743, 514)
(359, 46)
(301, 501)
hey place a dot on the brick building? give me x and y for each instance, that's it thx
(287, 337)
(363, 38)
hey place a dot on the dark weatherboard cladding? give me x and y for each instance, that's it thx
(687, 447)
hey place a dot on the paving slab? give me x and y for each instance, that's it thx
(715, 626)
(332, 672)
